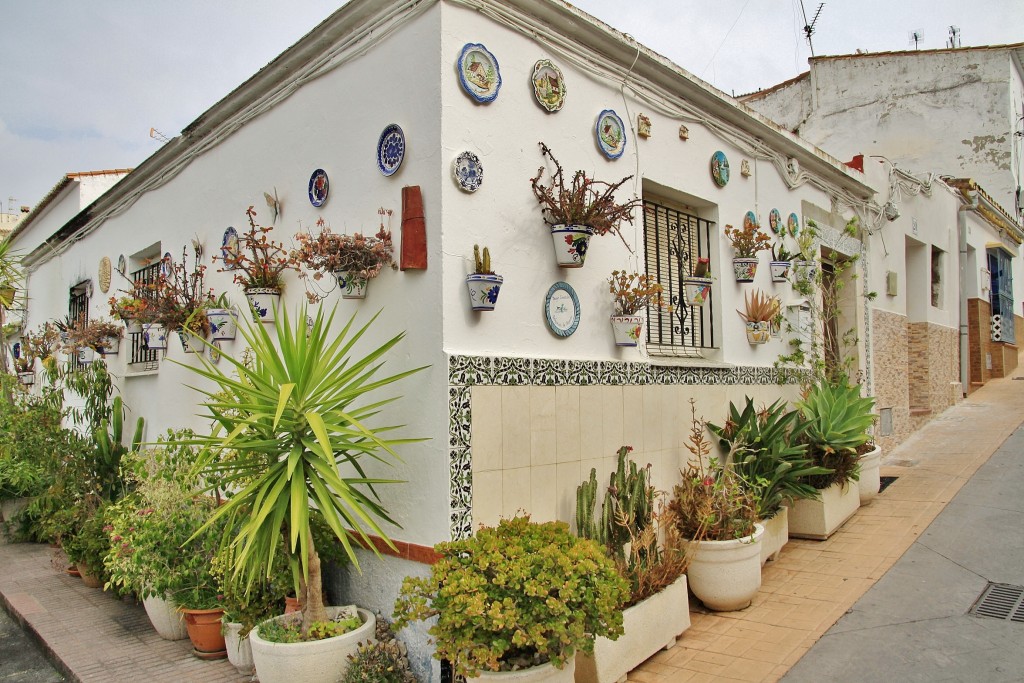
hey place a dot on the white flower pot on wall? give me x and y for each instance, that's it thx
(627, 329)
(223, 323)
(571, 243)
(726, 575)
(483, 290)
(697, 290)
(263, 301)
(154, 336)
(819, 519)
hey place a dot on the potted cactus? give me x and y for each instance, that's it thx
(482, 283)
(697, 286)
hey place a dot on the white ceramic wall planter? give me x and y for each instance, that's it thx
(571, 243)
(627, 329)
(483, 290)
(819, 519)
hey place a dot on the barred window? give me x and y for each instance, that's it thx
(1001, 295)
(674, 240)
(140, 354)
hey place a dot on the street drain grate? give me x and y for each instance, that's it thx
(884, 482)
(1001, 601)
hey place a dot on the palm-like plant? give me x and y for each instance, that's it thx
(835, 420)
(290, 420)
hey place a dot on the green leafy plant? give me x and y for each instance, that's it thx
(834, 424)
(628, 523)
(20, 478)
(291, 419)
(514, 596)
(748, 240)
(90, 545)
(382, 660)
(761, 450)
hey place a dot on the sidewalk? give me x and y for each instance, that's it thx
(95, 637)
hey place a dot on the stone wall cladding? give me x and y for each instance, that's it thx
(979, 343)
(941, 353)
(891, 383)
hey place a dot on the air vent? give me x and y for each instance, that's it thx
(1001, 601)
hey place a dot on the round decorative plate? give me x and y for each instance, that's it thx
(548, 85)
(319, 186)
(122, 265)
(750, 220)
(611, 134)
(562, 309)
(479, 73)
(719, 169)
(229, 248)
(793, 226)
(167, 264)
(468, 171)
(104, 274)
(775, 222)
(390, 149)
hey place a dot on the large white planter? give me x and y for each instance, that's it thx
(819, 519)
(870, 475)
(318, 661)
(239, 649)
(651, 625)
(726, 575)
(776, 535)
(545, 673)
(168, 622)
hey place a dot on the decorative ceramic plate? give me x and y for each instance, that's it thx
(122, 265)
(793, 226)
(750, 220)
(319, 186)
(719, 169)
(390, 149)
(229, 248)
(479, 73)
(548, 85)
(104, 274)
(562, 309)
(611, 134)
(775, 222)
(468, 171)
(167, 264)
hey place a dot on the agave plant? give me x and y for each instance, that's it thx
(835, 420)
(291, 419)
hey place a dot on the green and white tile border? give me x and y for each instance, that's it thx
(468, 371)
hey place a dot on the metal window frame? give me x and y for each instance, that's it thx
(139, 353)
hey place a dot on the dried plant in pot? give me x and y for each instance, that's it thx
(761, 311)
(353, 259)
(632, 294)
(483, 283)
(747, 242)
(579, 210)
(85, 339)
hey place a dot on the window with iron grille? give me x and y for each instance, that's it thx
(673, 241)
(78, 313)
(1001, 296)
(140, 354)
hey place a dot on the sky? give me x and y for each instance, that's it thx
(82, 83)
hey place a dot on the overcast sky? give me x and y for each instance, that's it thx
(83, 82)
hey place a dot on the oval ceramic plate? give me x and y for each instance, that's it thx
(468, 171)
(479, 73)
(319, 186)
(562, 309)
(390, 149)
(775, 222)
(548, 85)
(793, 226)
(122, 265)
(104, 274)
(611, 134)
(720, 169)
(750, 220)
(229, 248)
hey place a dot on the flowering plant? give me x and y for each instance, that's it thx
(41, 344)
(586, 201)
(632, 292)
(260, 261)
(131, 308)
(749, 240)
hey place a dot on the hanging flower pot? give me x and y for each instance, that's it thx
(110, 346)
(189, 342)
(483, 290)
(804, 271)
(696, 290)
(780, 270)
(154, 336)
(627, 329)
(86, 354)
(223, 323)
(27, 378)
(263, 301)
(759, 331)
(352, 285)
(571, 243)
(133, 325)
(745, 269)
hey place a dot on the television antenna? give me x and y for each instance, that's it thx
(157, 135)
(954, 37)
(809, 26)
(915, 38)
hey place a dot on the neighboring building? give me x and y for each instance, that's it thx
(9, 221)
(516, 415)
(955, 112)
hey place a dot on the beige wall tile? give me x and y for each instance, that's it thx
(568, 475)
(591, 417)
(633, 417)
(487, 429)
(515, 491)
(542, 426)
(567, 424)
(486, 498)
(612, 417)
(652, 396)
(515, 427)
(543, 493)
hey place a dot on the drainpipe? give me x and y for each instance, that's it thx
(961, 229)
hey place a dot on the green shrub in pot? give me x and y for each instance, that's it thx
(834, 423)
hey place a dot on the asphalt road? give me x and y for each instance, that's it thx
(21, 659)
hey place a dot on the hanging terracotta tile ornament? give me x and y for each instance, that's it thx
(745, 168)
(414, 230)
(548, 85)
(684, 133)
(643, 126)
(720, 169)
(479, 73)
(611, 134)
(319, 186)
(104, 274)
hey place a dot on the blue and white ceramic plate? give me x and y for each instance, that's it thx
(390, 149)
(229, 248)
(479, 73)
(611, 134)
(720, 169)
(319, 186)
(562, 309)
(167, 264)
(468, 171)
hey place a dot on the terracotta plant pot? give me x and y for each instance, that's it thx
(291, 605)
(204, 630)
(89, 578)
